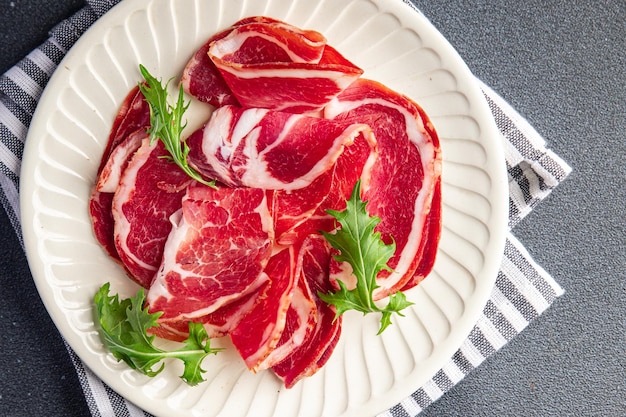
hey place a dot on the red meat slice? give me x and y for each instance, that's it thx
(299, 322)
(309, 356)
(269, 42)
(302, 315)
(133, 116)
(355, 163)
(279, 67)
(150, 190)
(215, 254)
(219, 323)
(268, 149)
(293, 209)
(111, 174)
(431, 234)
(102, 222)
(202, 80)
(101, 199)
(403, 179)
(258, 333)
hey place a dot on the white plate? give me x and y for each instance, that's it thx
(367, 373)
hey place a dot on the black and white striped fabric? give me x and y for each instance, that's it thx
(523, 289)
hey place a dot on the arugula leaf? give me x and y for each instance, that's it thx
(124, 329)
(362, 247)
(166, 122)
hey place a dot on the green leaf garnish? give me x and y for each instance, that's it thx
(363, 248)
(166, 122)
(124, 329)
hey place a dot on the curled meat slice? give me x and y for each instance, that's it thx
(150, 190)
(280, 67)
(404, 178)
(202, 80)
(217, 250)
(256, 336)
(132, 118)
(268, 149)
(311, 354)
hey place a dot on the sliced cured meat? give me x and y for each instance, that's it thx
(150, 190)
(302, 314)
(258, 333)
(279, 67)
(201, 78)
(102, 222)
(294, 208)
(299, 322)
(431, 234)
(133, 116)
(224, 320)
(354, 164)
(268, 149)
(404, 177)
(219, 323)
(269, 42)
(309, 356)
(220, 243)
(101, 199)
(111, 173)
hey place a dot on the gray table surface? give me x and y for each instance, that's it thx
(561, 64)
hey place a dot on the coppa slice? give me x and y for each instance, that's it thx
(294, 208)
(150, 190)
(299, 322)
(310, 355)
(202, 80)
(133, 115)
(277, 66)
(302, 315)
(355, 163)
(403, 179)
(132, 118)
(219, 245)
(267, 149)
(269, 42)
(112, 171)
(219, 323)
(431, 234)
(258, 333)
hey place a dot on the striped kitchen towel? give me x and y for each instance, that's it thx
(523, 289)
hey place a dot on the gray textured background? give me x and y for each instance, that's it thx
(561, 64)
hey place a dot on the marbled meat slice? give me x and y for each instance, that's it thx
(102, 222)
(132, 117)
(268, 149)
(150, 190)
(111, 173)
(269, 42)
(403, 179)
(310, 355)
(201, 78)
(301, 316)
(220, 243)
(355, 163)
(258, 333)
(279, 67)
(294, 208)
(219, 323)
(431, 234)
